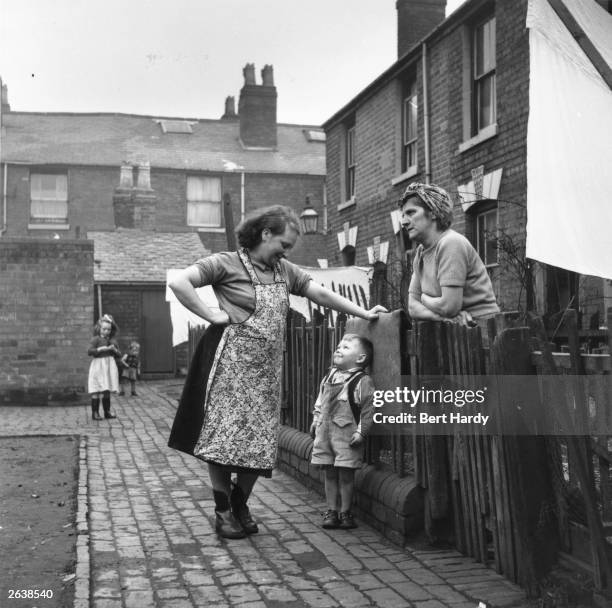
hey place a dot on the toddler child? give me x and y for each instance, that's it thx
(103, 374)
(131, 366)
(342, 418)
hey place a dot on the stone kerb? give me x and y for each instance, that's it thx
(390, 503)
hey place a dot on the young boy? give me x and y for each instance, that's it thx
(342, 418)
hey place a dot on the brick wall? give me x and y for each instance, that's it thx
(46, 312)
(90, 205)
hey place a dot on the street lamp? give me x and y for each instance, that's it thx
(309, 218)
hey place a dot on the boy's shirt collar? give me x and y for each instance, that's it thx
(341, 373)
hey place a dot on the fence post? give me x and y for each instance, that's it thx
(378, 286)
(433, 473)
(534, 540)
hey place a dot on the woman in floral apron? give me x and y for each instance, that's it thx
(230, 407)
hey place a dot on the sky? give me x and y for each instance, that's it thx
(184, 57)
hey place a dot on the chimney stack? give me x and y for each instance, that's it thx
(5, 104)
(134, 204)
(257, 109)
(415, 19)
(230, 109)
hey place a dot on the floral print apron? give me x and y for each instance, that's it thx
(242, 405)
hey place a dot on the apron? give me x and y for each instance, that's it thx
(241, 406)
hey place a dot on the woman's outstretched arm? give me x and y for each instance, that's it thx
(325, 297)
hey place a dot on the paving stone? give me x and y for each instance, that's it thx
(138, 599)
(317, 599)
(242, 593)
(207, 596)
(277, 593)
(172, 593)
(387, 598)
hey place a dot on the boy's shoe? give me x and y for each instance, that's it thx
(121, 393)
(347, 522)
(330, 519)
(134, 394)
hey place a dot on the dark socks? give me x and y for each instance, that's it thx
(221, 501)
(106, 405)
(95, 408)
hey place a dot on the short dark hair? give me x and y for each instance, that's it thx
(275, 218)
(366, 346)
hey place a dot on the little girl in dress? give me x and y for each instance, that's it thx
(103, 373)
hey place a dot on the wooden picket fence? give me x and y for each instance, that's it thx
(516, 501)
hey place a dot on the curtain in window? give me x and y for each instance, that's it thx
(204, 201)
(49, 197)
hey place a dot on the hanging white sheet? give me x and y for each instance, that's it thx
(569, 142)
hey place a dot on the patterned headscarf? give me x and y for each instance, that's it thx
(434, 198)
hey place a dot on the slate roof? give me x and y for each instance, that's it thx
(110, 139)
(128, 255)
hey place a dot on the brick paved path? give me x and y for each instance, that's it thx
(152, 541)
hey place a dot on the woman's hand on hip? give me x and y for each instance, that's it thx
(219, 318)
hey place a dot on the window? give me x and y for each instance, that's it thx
(486, 236)
(204, 201)
(409, 127)
(48, 198)
(483, 70)
(350, 161)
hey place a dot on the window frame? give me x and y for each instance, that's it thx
(204, 226)
(409, 146)
(488, 73)
(49, 221)
(350, 163)
(479, 214)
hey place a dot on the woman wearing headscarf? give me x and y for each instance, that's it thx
(229, 411)
(449, 280)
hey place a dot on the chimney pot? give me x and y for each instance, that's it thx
(249, 73)
(126, 177)
(267, 76)
(230, 109)
(144, 176)
(5, 104)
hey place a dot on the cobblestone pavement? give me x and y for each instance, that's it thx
(152, 540)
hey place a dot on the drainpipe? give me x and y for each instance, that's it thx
(99, 300)
(242, 201)
(325, 207)
(4, 191)
(426, 115)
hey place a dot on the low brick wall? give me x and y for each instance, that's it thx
(46, 319)
(391, 504)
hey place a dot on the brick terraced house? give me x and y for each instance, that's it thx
(149, 192)
(452, 110)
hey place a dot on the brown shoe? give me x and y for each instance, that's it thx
(227, 526)
(347, 522)
(330, 519)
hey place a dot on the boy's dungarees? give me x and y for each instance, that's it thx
(336, 425)
(242, 407)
